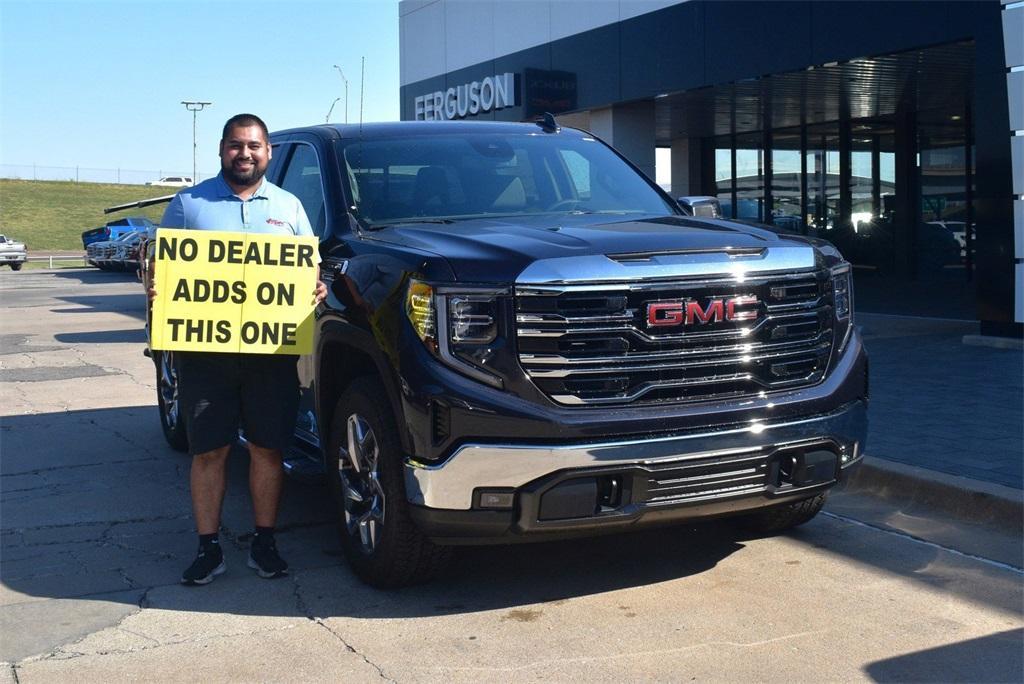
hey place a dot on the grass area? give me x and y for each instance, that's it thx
(52, 215)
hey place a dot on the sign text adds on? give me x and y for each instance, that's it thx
(233, 292)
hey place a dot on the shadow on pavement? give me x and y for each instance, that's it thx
(94, 276)
(133, 305)
(959, 662)
(103, 337)
(94, 504)
(101, 505)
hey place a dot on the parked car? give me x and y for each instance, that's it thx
(12, 253)
(958, 229)
(107, 254)
(507, 355)
(126, 252)
(115, 229)
(173, 181)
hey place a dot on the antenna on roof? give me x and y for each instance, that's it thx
(548, 123)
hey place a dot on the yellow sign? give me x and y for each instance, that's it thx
(233, 292)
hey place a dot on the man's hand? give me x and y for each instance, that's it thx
(320, 293)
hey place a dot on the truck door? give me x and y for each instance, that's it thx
(302, 176)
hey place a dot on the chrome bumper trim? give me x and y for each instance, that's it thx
(450, 485)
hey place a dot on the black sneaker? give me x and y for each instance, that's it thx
(264, 559)
(207, 565)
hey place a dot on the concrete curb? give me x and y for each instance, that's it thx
(962, 497)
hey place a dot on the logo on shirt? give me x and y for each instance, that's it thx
(275, 222)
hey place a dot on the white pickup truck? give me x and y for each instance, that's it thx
(12, 253)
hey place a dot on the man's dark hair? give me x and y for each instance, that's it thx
(242, 121)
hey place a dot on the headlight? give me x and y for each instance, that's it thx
(842, 302)
(472, 319)
(842, 291)
(458, 325)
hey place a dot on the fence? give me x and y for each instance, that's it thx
(82, 174)
(51, 258)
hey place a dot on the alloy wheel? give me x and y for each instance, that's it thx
(358, 469)
(169, 389)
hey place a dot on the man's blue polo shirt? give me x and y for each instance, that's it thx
(213, 205)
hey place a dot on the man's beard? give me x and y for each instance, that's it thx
(250, 177)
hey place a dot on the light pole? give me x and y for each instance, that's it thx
(327, 119)
(194, 106)
(342, 74)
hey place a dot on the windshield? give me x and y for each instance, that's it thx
(464, 176)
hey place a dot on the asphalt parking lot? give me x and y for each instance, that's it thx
(96, 528)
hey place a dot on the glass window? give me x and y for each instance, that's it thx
(302, 179)
(476, 175)
(942, 234)
(862, 174)
(579, 172)
(723, 174)
(277, 154)
(786, 180)
(749, 177)
(823, 180)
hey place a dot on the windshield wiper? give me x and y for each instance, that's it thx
(404, 222)
(582, 212)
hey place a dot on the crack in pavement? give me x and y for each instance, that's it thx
(72, 466)
(300, 605)
(112, 524)
(630, 654)
(24, 398)
(60, 654)
(138, 634)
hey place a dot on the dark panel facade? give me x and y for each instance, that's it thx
(533, 58)
(594, 57)
(848, 30)
(749, 39)
(697, 44)
(662, 51)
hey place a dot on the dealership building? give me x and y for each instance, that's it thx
(893, 129)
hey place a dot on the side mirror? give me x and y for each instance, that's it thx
(701, 205)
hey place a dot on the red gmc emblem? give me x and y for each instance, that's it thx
(689, 311)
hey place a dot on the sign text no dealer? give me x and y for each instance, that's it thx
(233, 292)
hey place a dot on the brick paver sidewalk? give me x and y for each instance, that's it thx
(939, 404)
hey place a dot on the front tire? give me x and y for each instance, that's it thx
(172, 420)
(383, 546)
(778, 519)
(16, 267)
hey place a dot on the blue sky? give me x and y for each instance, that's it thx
(99, 84)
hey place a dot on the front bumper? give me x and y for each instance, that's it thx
(584, 486)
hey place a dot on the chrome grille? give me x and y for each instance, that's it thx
(591, 345)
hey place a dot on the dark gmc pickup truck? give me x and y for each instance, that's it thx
(526, 338)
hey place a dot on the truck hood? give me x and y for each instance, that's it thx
(498, 250)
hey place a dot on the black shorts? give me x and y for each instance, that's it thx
(219, 393)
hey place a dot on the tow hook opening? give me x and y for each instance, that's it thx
(584, 497)
(803, 467)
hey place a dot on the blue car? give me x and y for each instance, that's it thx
(115, 229)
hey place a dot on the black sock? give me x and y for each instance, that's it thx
(210, 543)
(263, 535)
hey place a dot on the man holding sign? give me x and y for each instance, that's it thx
(222, 391)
